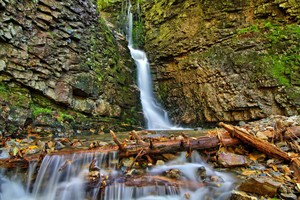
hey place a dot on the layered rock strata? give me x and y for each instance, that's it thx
(224, 60)
(62, 66)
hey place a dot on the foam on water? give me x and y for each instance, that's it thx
(62, 177)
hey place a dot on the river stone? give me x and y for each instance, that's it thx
(239, 195)
(173, 173)
(260, 185)
(231, 159)
(127, 162)
(288, 196)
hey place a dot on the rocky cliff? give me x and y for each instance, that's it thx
(63, 70)
(224, 60)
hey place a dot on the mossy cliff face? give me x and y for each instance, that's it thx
(224, 60)
(62, 70)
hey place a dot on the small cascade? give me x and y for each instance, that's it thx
(156, 117)
(65, 177)
(217, 185)
(62, 177)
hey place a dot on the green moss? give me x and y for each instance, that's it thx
(102, 4)
(163, 90)
(36, 111)
(282, 59)
(64, 117)
(4, 92)
(284, 53)
(250, 29)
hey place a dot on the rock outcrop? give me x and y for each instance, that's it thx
(63, 70)
(224, 60)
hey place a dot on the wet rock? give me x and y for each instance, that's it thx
(41, 144)
(260, 185)
(169, 156)
(93, 144)
(59, 146)
(231, 160)
(160, 162)
(101, 143)
(32, 150)
(50, 144)
(294, 130)
(239, 195)
(288, 196)
(201, 172)
(265, 135)
(127, 162)
(173, 173)
(27, 140)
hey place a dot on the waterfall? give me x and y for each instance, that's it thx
(64, 177)
(156, 117)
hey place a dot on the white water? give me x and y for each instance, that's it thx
(156, 117)
(60, 177)
(63, 177)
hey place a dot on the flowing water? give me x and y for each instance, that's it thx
(156, 117)
(63, 177)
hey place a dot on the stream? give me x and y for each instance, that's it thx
(64, 177)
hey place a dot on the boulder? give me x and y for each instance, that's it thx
(231, 160)
(260, 185)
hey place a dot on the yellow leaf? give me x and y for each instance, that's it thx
(274, 167)
(33, 147)
(249, 172)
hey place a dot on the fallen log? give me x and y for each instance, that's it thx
(173, 146)
(263, 146)
(141, 181)
(153, 147)
(259, 144)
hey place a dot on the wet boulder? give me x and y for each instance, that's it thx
(173, 173)
(231, 160)
(260, 185)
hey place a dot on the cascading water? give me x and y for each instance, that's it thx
(156, 117)
(64, 177)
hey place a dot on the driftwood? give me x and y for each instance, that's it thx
(264, 146)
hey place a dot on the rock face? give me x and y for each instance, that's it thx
(224, 60)
(62, 69)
